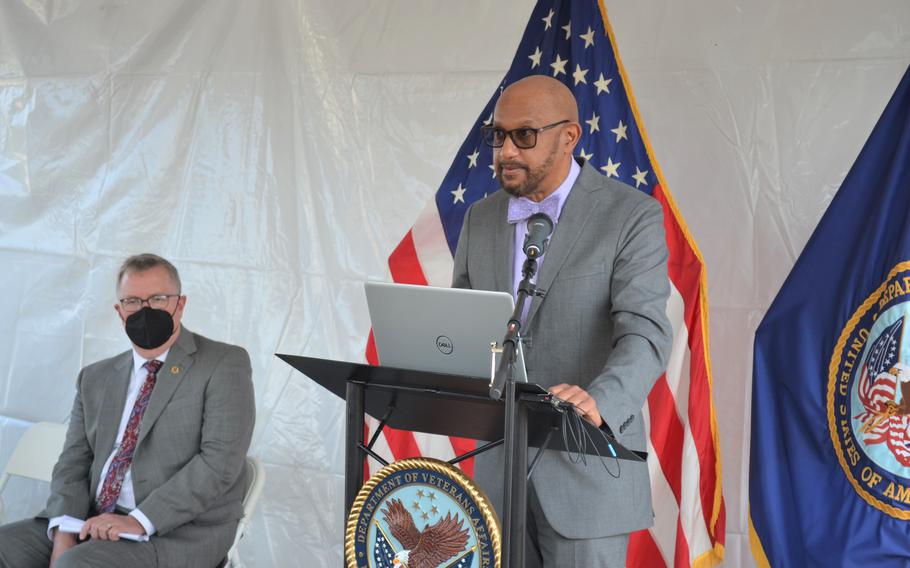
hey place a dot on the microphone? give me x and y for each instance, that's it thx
(540, 227)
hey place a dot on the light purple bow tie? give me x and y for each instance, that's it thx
(521, 208)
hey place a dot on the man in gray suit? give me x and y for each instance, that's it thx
(600, 336)
(156, 444)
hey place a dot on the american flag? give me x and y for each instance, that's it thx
(877, 388)
(572, 41)
(383, 553)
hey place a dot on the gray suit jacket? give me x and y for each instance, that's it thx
(602, 325)
(188, 466)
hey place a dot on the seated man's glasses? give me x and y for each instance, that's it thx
(524, 138)
(157, 302)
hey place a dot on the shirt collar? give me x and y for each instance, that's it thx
(139, 361)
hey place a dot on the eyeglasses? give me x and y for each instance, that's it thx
(157, 302)
(524, 138)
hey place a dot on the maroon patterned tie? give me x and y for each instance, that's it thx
(110, 490)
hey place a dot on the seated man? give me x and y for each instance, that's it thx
(156, 444)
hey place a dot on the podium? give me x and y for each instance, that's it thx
(452, 405)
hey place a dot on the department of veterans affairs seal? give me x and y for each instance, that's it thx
(421, 513)
(869, 396)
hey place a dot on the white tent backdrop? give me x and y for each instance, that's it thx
(278, 150)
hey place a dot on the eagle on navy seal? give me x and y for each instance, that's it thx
(428, 548)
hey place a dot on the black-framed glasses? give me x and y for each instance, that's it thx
(155, 301)
(524, 138)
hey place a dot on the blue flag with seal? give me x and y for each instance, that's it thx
(830, 455)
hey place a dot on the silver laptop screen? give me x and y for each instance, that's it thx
(444, 330)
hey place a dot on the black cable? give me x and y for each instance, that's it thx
(612, 451)
(574, 430)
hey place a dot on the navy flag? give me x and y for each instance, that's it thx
(830, 463)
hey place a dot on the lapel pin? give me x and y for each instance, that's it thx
(175, 369)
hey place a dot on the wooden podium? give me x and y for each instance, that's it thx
(452, 405)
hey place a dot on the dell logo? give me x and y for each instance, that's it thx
(444, 344)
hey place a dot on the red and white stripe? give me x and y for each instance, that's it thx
(875, 396)
(882, 426)
(683, 446)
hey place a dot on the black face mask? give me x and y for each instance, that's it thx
(149, 328)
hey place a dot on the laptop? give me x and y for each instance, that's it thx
(442, 330)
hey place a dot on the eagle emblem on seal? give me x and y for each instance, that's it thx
(884, 392)
(428, 548)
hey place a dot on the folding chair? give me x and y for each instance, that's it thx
(35, 454)
(256, 480)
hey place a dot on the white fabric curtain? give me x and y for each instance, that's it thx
(277, 151)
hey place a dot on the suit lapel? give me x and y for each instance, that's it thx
(178, 362)
(115, 387)
(575, 214)
(503, 242)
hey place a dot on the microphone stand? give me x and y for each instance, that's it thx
(526, 289)
(516, 441)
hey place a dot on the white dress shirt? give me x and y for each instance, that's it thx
(126, 499)
(521, 230)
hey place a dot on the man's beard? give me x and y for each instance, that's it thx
(532, 179)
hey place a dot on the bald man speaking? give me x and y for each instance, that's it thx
(600, 336)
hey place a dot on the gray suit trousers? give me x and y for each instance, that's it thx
(545, 547)
(24, 544)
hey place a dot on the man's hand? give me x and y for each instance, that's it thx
(108, 526)
(585, 405)
(62, 542)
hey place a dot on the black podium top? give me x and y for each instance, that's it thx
(449, 405)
